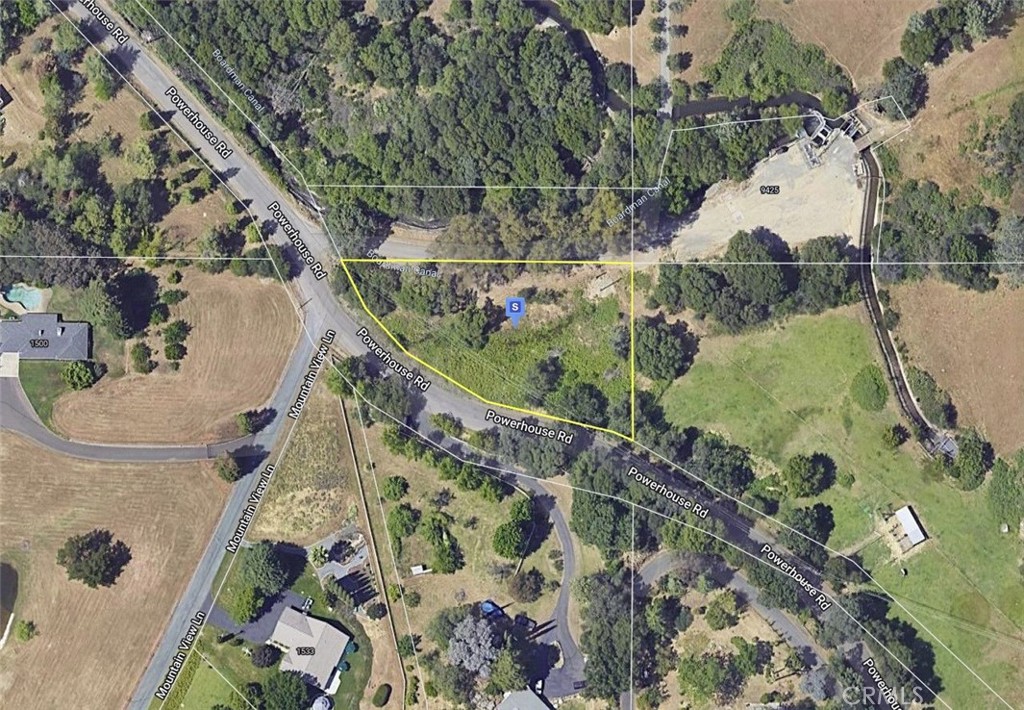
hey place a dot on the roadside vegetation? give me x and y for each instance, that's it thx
(568, 355)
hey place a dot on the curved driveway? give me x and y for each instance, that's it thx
(790, 629)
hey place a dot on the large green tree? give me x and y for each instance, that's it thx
(95, 558)
(285, 690)
(262, 568)
(663, 352)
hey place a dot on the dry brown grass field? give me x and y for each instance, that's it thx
(313, 492)
(859, 35)
(243, 332)
(971, 344)
(93, 644)
(967, 87)
(622, 43)
(709, 31)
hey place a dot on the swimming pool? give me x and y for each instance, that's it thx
(30, 298)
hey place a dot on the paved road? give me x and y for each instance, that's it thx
(559, 682)
(18, 415)
(319, 310)
(314, 300)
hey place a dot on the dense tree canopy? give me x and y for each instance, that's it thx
(721, 464)
(95, 558)
(261, 568)
(763, 60)
(663, 351)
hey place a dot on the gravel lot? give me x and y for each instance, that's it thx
(811, 202)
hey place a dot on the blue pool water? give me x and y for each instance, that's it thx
(29, 297)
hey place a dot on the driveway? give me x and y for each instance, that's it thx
(258, 631)
(784, 624)
(559, 682)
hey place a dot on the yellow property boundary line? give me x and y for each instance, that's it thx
(543, 415)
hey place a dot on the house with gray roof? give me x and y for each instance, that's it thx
(312, 648)
(44, 336)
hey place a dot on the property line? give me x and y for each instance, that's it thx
(498, 470)
(458, 384)
(692, 262)
(442, 374)
(632, 603)
(382, 186)
(387, 534)
(225, 679)
(632, 352)
(140, 258)
(415, 260)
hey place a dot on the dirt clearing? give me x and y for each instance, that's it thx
(243, 332)
(313, 491)
(967, 87)
(859, 35)
(93, 644)
(971, 343)
(811, 202)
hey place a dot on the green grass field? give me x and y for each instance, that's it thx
(106, 348)
(786, 391)
(582, 337)
(208, 689)
(42, 384)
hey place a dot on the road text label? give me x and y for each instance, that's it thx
(305, 254)
(661, 489)
(528, 427)
(184, 645)
(250, 509)
(417, 380)
(817, 595)
(192, 115)
(314, 369)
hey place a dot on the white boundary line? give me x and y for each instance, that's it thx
(387, 534)
(492, 470)
(224, 678)
(640, 445)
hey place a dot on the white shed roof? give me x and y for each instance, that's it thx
(910, 525)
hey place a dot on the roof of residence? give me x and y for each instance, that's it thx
(43, 336)
(523, 700)
(296, 630)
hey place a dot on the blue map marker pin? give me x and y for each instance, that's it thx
(515, 308)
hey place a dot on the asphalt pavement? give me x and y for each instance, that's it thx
(319, 311)
(314, 300)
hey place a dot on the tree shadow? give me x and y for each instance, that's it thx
(135, 291)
